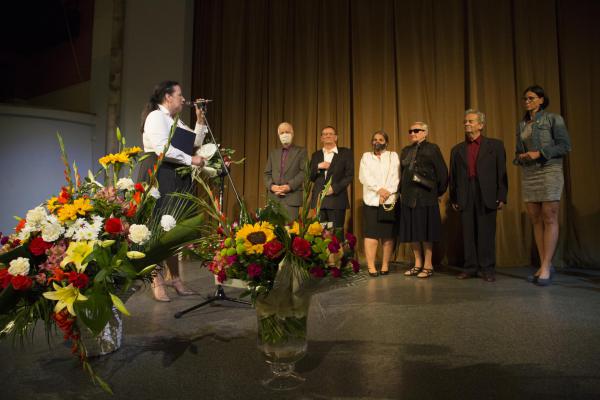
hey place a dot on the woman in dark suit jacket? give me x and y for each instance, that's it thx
(423, 178)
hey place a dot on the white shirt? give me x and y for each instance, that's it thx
(156, 135)
(328, 156)
(379, 172)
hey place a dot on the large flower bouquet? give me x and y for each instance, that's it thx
(73, 257)
(281, 264)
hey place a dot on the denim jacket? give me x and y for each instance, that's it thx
(550, 138)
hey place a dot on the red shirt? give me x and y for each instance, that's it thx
(472, 153)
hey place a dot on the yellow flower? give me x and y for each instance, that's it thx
(51, 204)
(315, 229)
(65, 296)
(130, 151)
(76, 253)
(121, 157)
(294, 229)
(255, 236)
(66, 212)
(82, 206)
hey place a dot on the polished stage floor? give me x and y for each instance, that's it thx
(389, 337)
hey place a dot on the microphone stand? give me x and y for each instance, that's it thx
(219, 294)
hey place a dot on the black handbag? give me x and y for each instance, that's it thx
(386, 213)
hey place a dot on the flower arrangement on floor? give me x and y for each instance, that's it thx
(72, 257)
(282, 266)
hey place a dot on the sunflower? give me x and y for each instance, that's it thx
(255, 236)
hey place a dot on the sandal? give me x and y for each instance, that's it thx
(413, 271)
(425, 273)
(373, 273)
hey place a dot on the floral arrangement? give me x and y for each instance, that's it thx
(253, 251)
(72, 257)
(215, 164)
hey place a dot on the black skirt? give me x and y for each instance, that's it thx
(374, 229)
(169, 180)
(420, 224)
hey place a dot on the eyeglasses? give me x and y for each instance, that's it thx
(529, 98)
(415, 131)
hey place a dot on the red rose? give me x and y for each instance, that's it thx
(38, 246)
(272, 249)
(21, 282)
(139, 187)
(301, 247)
(334, 245)
(336, 272)
(78, 280)
(113, 225)
(317, 272)
(254, 270)
(5, 278)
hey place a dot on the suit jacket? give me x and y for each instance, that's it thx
(341, 173)
(293, 174)
(491, 173)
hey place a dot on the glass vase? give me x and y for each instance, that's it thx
(108, 340)
(282, 327)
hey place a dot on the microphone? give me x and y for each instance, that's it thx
(197, 102)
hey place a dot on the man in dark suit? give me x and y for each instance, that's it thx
(337, 164)
(478, 188)
(284, 172)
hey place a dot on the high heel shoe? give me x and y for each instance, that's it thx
(547, 281)
(533, 278)
(384, 272)
(159, 289)
(181, 290)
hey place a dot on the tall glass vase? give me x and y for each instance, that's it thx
(282, 327)
(108, 340)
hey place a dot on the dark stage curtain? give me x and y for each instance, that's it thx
(365, 65)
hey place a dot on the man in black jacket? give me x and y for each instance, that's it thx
(478, 188)
(337, 164)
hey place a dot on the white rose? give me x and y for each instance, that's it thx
(167, 222)
(36, 217)
(154, 193)
(19, 266)
(139, 234)
(125, 184)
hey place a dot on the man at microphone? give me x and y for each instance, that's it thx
(284, 172)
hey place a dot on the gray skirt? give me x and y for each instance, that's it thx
(541, 183)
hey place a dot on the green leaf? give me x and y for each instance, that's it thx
(95, 311)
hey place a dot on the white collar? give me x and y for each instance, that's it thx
(334, 150)
(164, 110)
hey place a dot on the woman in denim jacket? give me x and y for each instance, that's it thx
(542, 142)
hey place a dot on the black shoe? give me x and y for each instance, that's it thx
(387, 271)
(374, 274)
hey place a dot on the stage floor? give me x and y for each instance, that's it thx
(389, 337)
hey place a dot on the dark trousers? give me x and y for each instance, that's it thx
(337, 217)
(479, 232)
(292, 211)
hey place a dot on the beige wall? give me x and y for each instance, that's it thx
(157, 46)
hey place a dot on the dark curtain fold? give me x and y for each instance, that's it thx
(365, 65)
